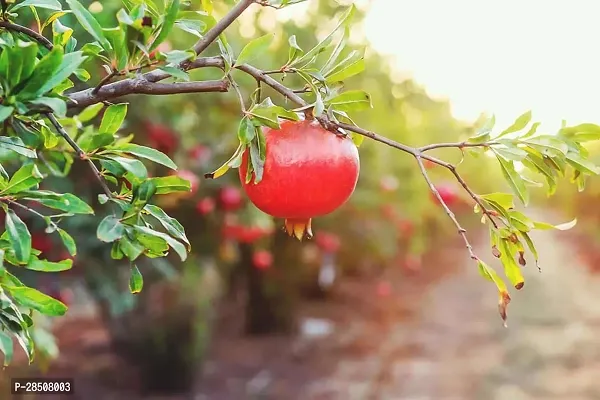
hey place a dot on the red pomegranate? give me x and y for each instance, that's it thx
(230, 198)
(428, 164)
(308, 172)
(262, 259)
(389, 183)
(41, 242)
(447, 193)
(161, 137)
(200, 154)
(384, 289)
(328, 242)
(205, 206)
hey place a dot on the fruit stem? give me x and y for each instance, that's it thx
(299, 228)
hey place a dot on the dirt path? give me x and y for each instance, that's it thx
(551, 349)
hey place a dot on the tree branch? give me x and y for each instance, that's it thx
(459, 145)
(29, 32)
(80, 153)
(220, 26)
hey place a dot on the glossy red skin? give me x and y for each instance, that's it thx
(309, 171)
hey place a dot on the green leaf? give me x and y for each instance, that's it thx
(246, 131)
(170, 15)
(90, 112)
(68, 241)
(353, 100)
(172, 226)
(48, 4)
(113, 118)
(234, 162)
(257, 161)
(295, 51)
(504, 200)
(5, 112)
(60, 201)
(61, 33)
(520, 123)
(491, 275)
(16, 144)
(43, 72)
(26, 177)
(511, 268)
(322, 45)
(136, 167)
(131, 249)
(548, 145)
(581, 164)
(355, 68)
(70, 63)
(48, 266)
(53, 17)
(521, 221)
(329, 65)
(484, 133)
(531, 246)
(6, 347)
(176, 73)
(170, 184)
(110, 229)
(254, 49)
(136, 281)
(514, 180)
(175, 245)
(118, 41)
(89, 23)
(147, 153)
(34, 299)
(58, 106)
(18, 236)
(510, 152)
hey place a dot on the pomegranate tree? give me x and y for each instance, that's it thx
(308, 172)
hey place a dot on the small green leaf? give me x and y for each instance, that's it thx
(514, 180)
(136, 167)
(520, 123)
(491, 275)
(504, 200)
(258, 162)
(510, 152)
(511, 268)
(136, 281)
(113, 118)
(89, 23)
(174, 244)
(254, 49)
(246, 131)
(561, 227)
(58, 106)
(234, 162)
(170, 184)
(531, 246)
(90, 112)
(48, 4)
(70, 63)
(5, 112)
(32, 298)
(295, 51)
(67, 202)
(68, 241)
(43, 72)
(26, 177)
(48, 266)
(353, 100)
(172, 226)
(581, 164)
(118, 40)
(110, 229)
(18, 236)
(145, 152)
(355, 68)
(176, 73)
(6, 347)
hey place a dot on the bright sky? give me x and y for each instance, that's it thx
(502, 57)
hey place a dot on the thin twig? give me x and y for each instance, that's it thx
(459, 145)
(80, 153)
(31, 210)
(462, 231)
(105, 80)
(29, 32)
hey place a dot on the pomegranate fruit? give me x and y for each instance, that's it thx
(328, 242)
(428, 164)
(161, 137)
(308, 172)
(384, 289)
(205, 206)
(447, 193)
(230, 198)
(200, 154)
(41, 242)
(262, 259)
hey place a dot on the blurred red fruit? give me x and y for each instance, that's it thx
(252, 234)
(447, 193)
(205, 206)
(66, 296)
(41, 242)
(161, 137)
(230, 198)
(200, 154)
(412, 264)
(328, 242)
(192, 178)
(384, 289)
(406, 227)
(388, 211)
(428, 164)
(262, 259)
(389, 183)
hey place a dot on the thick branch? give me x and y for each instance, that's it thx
(29, 32)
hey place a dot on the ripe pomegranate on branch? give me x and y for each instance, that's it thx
(299, 169)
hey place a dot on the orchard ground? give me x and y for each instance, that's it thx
(434, 335)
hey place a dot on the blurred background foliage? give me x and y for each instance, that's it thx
(389, 223)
